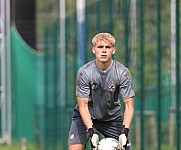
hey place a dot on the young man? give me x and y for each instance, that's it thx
(98, 87)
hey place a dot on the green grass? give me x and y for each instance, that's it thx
(163, 147)
(17, 147)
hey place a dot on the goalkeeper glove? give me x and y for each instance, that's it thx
(94, 138)
(123, 138)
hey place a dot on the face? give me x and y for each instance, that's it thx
(103, 52)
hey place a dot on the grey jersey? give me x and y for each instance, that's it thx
(103, 89)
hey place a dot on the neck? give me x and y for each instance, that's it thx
(104, 66)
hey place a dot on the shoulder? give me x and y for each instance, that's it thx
(87, 69)
(121, 70)
(119, 67)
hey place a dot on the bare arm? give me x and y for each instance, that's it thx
(84, 112)
(129, 112)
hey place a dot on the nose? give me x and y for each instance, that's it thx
(104, 49)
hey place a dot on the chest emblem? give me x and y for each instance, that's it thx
(112, 86)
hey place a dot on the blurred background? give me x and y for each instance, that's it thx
(44, 42)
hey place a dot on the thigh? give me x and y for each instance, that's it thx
(78, 132)
(111, 129)
(77, 147)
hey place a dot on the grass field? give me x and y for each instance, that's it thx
(17, 148)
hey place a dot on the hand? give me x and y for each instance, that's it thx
(123, 139)
(94, 138)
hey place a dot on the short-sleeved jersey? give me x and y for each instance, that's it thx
(104, 89)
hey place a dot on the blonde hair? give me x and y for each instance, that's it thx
(103, 37)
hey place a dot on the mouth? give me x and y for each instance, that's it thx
(103, 56)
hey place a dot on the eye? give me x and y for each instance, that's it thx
(108, 47)
(100, 46)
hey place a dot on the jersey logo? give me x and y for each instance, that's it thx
(72, 136)
(112, 86)
(94, 85)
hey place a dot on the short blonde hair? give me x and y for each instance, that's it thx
(103, 37)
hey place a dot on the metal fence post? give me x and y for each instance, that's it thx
(126, 19)
(177, 74)
(46, 34)
(159, 50)
(98, 15)
(142, 97)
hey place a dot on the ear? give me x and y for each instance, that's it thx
(113, 52)
(93, 50)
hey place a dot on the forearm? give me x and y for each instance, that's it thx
(128, 117)
(129, 112)
(86, 117)
(84, 112)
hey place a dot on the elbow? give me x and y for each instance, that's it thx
(83, 106)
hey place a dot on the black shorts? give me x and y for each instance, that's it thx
(78, 133)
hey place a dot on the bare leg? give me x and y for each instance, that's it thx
(77, 147)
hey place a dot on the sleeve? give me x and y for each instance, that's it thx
(126, 86)
(82, 85)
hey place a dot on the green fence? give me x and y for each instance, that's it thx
(24, 87)
(143, 44)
